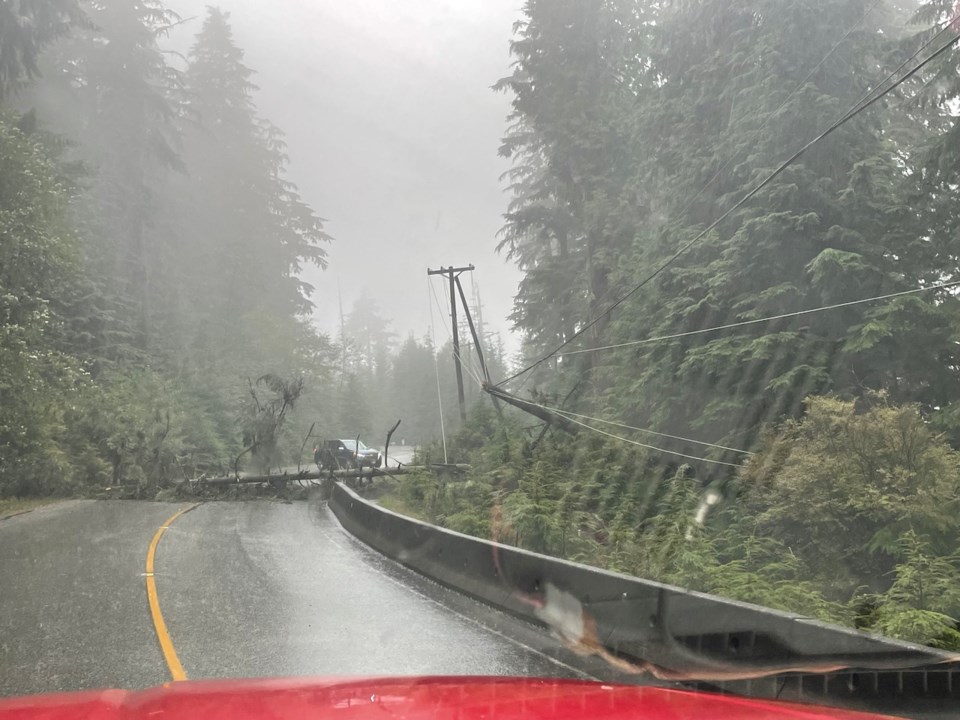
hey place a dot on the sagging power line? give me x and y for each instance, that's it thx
(636, 442)
(742, 323)
(567, 413)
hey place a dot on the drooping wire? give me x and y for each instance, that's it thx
(436, 367)
(570, 415)
(728, 326)
(799, 86)
(859, 107)
(638, 443)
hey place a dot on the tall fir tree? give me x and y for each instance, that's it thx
(577, 74)
(108, 90)
(25, 29)
(245, 231)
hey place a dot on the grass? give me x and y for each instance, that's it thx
(15, 506)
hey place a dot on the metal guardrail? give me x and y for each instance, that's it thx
(707, 641)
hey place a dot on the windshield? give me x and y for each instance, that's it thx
(648, 312)
(352, 445)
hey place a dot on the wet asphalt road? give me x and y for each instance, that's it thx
(73, 608)
(247, 589)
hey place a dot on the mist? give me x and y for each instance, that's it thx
(392, 133)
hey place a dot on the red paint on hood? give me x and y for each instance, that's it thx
(436, 698)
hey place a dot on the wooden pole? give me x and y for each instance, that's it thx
(547, 416)
(386, 446)
(452, 274)
(456, 347)
(473, 332)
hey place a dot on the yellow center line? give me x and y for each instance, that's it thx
(163, 635)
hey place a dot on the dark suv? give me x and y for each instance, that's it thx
(343, 454)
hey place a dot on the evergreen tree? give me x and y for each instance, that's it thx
(240, 234)
(108, 90)
(578, 72)
(25, 28)
(412, 394)
(244, 230)
(935, 166)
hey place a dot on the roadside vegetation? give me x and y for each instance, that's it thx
(846, 516)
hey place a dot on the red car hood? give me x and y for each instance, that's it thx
(436, 698)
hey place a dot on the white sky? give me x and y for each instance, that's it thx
(393, 134)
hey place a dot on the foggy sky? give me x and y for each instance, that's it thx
(393, 133)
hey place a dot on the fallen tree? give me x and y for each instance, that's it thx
(366, 472)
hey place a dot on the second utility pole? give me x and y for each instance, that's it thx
(453, 273)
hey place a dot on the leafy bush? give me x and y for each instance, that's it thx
(840, 486)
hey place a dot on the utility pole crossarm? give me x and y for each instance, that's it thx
(445, 271)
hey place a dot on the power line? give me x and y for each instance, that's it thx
(772, 115)
(643, 445)
(728, 326)
(857, 109)
(470, 369)
(571, 415)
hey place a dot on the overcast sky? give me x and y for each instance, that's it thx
(393, 133)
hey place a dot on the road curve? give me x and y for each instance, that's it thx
(247, 589)
(270, 589)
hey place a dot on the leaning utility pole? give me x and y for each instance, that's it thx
(473, 332)
(453, 273)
